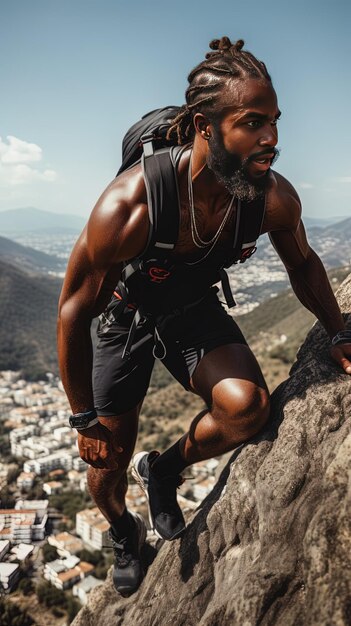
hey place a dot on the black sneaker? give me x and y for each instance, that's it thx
(166, 517)
(127, 570)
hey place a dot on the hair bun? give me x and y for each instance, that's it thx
(214, 44)
(239, 44)
(223, 44)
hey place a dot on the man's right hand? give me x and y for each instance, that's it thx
(96, 447)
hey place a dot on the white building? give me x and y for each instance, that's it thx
(19, 434)
(23, 524)
(65, 435)
(22, 551)
(25, 480)
(31, 448)
(64, 573)
(79, 464)
(45, 464)
(93, 528)
(66, 544)
(4, 548)
(84, 587)
(9, 575)
(74, 478)
(53, 486)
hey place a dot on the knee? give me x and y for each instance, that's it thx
(244, 408)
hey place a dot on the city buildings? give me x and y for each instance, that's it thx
(64, 573)
(93, 528)
(23, 525)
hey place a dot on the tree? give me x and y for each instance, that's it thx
(49, 553)
(94, 558)
(13, 474)
(48, 595)
(12, 615)
(26, 586)
(73, 607)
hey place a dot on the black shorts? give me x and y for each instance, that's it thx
(180, 340)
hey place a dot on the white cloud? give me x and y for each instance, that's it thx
(14, 156)
(18, 151)
(21, 174)
(342, 179)
(304, 185)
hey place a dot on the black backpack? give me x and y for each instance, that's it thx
(146, 143)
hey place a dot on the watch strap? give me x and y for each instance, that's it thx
(84, 420)
(343, 336)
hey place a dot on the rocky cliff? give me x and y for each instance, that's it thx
(271, 545)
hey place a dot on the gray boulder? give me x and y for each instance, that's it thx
(271, 545)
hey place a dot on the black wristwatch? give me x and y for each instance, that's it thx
(343, 336)
(80, 421)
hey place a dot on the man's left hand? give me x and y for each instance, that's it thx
(341, 353)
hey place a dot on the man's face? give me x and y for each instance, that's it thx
(242, 144)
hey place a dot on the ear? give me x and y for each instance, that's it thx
(202, 125)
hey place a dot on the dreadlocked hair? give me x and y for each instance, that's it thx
(208, 79)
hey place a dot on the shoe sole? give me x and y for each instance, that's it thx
(139, 479)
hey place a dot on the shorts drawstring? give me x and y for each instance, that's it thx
(127, 348)
(158, 343)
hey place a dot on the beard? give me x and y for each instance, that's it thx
(231, 171)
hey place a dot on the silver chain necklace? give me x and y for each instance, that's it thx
(197, 240)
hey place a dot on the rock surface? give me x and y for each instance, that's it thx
(271, 545)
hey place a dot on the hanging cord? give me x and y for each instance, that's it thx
(158, 343)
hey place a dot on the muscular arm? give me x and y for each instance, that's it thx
(116, 231)
(305, 269)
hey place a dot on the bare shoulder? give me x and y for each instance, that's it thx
(283, 206)
(118, 225)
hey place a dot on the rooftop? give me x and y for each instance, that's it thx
(86, 567)
(6, 569)
(71, 573)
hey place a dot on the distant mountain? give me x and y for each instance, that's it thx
(28, 311)
(29, 220)
(322, 222)
(28, 259)
(32, 220)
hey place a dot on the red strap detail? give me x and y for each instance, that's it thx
(158, 274)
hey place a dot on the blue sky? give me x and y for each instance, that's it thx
(76, 74)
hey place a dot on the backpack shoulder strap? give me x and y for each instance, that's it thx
(160, 175)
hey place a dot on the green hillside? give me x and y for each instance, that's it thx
(268, 315)
(27, 258)
(28, 306)
(28, 310)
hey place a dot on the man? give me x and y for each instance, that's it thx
(229, 131)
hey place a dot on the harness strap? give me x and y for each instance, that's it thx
(159, 345)
(136, 319)
(130, 268)
(228, 294)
